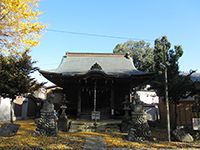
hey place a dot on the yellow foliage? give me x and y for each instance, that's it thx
(25, 139)
(19, 28)
(117, 140)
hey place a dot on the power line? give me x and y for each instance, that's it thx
(48, 64)
(96, 35)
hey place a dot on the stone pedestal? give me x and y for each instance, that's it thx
(47, 123)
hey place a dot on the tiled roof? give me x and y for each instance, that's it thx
(111, 64)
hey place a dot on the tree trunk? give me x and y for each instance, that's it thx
(175, 113)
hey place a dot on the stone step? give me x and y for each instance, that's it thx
(88, 116)
(82, 126)
(94, 143)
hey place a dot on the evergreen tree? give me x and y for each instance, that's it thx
(179, 85)
(140, 51)
(15, 76)
(150, 59)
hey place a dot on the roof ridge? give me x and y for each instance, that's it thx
(91, 54)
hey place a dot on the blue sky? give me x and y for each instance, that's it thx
(179, 20)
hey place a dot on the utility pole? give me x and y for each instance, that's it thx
(166, 90)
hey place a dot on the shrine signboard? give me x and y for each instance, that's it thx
(196, 123)
(95, 115)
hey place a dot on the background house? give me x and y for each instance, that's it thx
(151, 101)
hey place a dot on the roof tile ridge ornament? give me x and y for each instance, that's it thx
(127, 55)
(96, 67)
(90, 54)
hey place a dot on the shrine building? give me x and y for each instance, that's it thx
(96, 82)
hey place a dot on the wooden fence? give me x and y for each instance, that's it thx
(184, 113)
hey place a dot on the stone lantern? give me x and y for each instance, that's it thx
(47, 123)
(139, 128)
(63, 121)
(126, 107)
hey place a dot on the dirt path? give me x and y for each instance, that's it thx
(95, 143)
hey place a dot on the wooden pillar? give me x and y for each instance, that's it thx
(112, 101)
(131, 92)
(79, 102)
(95, 96)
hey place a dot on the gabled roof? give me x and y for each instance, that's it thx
(75, 64)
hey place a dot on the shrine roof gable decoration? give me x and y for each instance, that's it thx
(96, 67)
(77, 64)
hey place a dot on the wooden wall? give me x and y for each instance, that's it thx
(184, 113)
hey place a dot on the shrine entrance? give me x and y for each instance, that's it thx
(95, 96)
(102, 100)
(87, 98)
